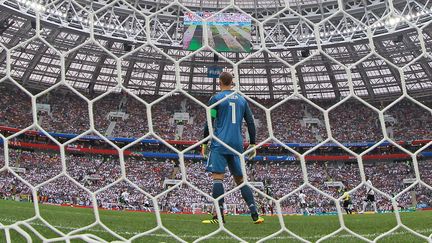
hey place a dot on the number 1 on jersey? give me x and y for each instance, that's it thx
(233, 112)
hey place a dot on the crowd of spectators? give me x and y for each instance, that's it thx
(69, 114)
(278, 180)
(412, 121)
(292, 121)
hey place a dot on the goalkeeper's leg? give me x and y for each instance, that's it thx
(218, 190)
(216, 164)
(247, 195)
(234, 166)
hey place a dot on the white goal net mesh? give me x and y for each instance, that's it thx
(99, 21)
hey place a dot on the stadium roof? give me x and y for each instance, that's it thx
(289, 39)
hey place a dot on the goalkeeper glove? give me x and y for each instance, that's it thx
(204, 151)
(250, 155)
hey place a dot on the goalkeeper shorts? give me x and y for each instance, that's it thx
(217, 162)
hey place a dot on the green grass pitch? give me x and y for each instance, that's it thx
(189, 227)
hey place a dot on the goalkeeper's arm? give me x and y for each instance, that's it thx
(213, 113)
(252, 131)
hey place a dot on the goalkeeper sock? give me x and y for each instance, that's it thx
(218, 190)
(247, 195)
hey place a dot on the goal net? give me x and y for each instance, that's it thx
(124, 134)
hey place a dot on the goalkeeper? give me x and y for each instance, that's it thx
(227, 118)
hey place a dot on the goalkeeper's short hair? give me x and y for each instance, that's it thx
(226, 78)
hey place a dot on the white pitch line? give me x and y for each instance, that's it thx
(373, 235)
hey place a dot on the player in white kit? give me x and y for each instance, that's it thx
(124, 200)
(370, 196)
(303, 205)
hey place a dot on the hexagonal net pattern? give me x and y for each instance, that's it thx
(318, 34)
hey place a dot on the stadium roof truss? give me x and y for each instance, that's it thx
(343, 36)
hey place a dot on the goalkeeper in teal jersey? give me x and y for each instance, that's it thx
(227, 119)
